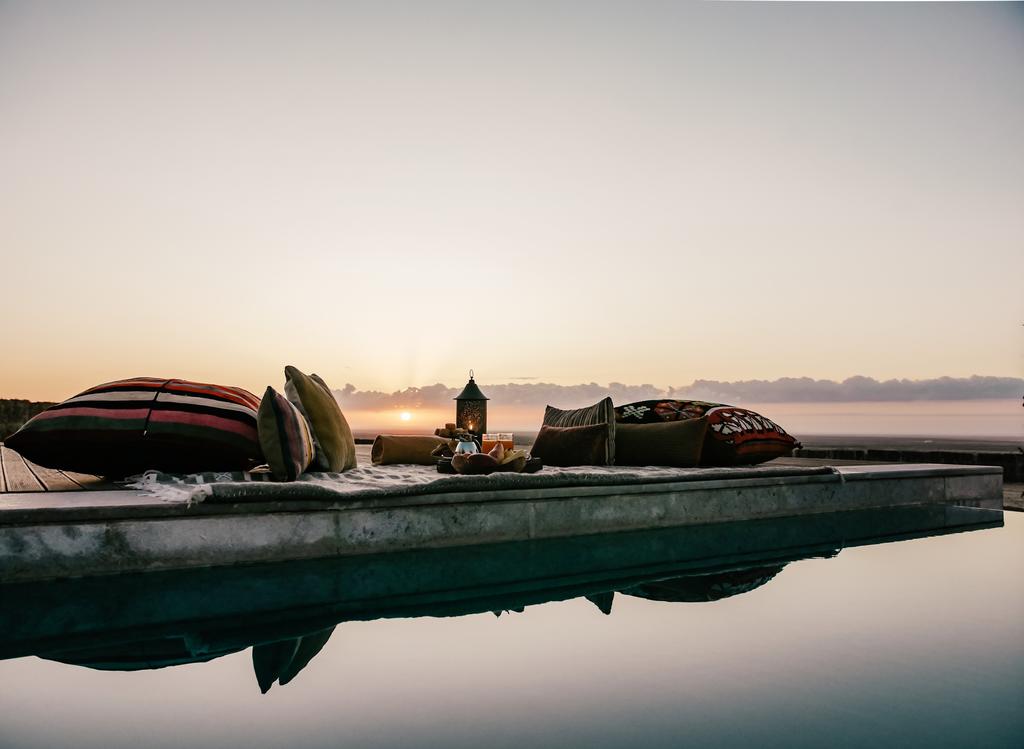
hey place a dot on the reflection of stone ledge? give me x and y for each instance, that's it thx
(192, 615)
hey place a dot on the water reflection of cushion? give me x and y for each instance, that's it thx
(140, 656)
(283, 660)
(714, 587)
(309, 646)
(735, 436)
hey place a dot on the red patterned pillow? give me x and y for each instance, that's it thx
(735, 436)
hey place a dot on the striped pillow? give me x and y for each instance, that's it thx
(602, 412)
(128, 426)
(196, 427)
(284, 436)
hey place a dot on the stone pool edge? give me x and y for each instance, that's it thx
(73, 547)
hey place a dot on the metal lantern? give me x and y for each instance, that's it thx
(471, 408)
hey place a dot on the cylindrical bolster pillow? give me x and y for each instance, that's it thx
(402, 448)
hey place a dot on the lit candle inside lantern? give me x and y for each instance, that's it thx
(471, 408)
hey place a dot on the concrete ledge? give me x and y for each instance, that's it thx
(1011, 461)
(52, 548)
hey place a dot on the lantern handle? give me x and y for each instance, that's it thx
(471, 374)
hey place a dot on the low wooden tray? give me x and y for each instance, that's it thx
(444, 465)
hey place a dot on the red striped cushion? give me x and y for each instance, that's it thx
(197, 427)
(285, 436)
(128, 426)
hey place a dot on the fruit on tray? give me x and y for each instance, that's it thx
(474, 463)
(498, 459)
(497, 452)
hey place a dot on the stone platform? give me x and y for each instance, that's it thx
(57, 534)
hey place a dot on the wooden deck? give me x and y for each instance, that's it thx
(18, 475)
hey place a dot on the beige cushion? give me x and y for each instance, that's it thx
(335, 448)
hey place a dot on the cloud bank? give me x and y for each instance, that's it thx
(853, 389)
(783, 390)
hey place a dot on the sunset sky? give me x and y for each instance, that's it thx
(389, 194)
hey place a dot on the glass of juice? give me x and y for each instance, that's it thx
(488, 441)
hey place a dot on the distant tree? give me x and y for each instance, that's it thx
(14, 412)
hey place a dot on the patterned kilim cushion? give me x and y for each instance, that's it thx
(128, 426)
(735, 436)
(602, 412)
(284, 436)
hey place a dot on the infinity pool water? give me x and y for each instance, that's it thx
(914, 642)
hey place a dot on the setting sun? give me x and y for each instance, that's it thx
(405, 416)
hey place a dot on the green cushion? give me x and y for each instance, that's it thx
(332, 437)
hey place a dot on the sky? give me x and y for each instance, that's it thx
(391, 194)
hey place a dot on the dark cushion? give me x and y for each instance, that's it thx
(572, 446)
(735, 436)
(602, 412)
(128, 426)
(670, 443)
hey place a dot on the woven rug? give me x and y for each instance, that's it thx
(410, 480)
